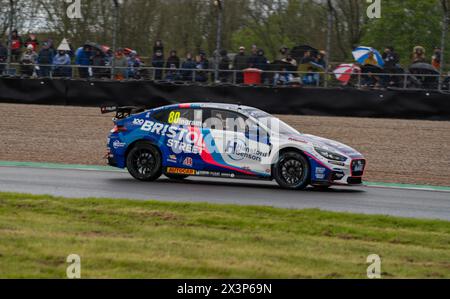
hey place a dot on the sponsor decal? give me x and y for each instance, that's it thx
(180, 171)
(172, 159)
(180, 140)
(320, 173)
(138, 122)
(215, 174)
(188, 162)
(238, 150)
(117, 144)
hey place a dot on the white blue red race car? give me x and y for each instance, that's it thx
(226, 141)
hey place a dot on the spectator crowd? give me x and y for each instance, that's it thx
(44, 59)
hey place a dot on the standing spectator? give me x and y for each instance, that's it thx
(45, 59)
(321, 59)
(436, 59)
(261, 61)
(134, 63)
(240, 63)
(83, 60)
(262, 64)
(391, 64)
(173, 61)
(419, 55)
(32, 40)
(121, 64)
(28, 61)
(98, 64)
(61, 60)
(202, 64)
(158, 63)
(188, 65)
(16, 46)
(391, 59)
(224, 66)
(3, 58)
(252, 60)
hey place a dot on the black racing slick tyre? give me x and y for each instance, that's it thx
(144, 162)
(292, 171)
(176, 177)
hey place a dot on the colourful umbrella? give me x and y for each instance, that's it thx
(344, 72)
(361, 54)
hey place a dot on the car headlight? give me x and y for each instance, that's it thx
(330, 155)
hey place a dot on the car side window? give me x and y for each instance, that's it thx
(180, 117)
(217, 119)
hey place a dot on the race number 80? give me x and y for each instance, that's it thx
(174, 117)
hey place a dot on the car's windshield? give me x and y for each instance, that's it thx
(274, 124)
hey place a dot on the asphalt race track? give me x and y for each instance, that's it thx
(112, 184)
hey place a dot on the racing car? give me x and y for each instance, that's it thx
(226, 141)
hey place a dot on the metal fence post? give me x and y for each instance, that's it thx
(445, 28)
(219, 5)
(116, 20)
(11, 20)
(329, 34)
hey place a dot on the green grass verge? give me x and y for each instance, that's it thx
(135, 239)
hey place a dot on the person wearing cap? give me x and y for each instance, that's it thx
(28, 61)
(240, 63)
(45, 59)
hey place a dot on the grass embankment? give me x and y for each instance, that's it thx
(132, 239)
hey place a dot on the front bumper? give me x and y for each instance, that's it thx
(349, 174)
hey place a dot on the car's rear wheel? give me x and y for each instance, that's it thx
(176, 177)
(292, 171)
(144, 162)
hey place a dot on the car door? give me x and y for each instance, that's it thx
(234, 144)
(181, 143)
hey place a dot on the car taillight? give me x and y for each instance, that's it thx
(118, 129)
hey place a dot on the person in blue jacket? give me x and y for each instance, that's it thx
(83, 58)
(60, 64)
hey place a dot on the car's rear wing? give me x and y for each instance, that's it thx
(122, 112)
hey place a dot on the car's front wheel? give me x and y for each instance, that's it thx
(292, 171)
(144, 162)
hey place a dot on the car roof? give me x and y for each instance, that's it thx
(230, 107)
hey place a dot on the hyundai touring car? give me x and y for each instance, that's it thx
(226, 141)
